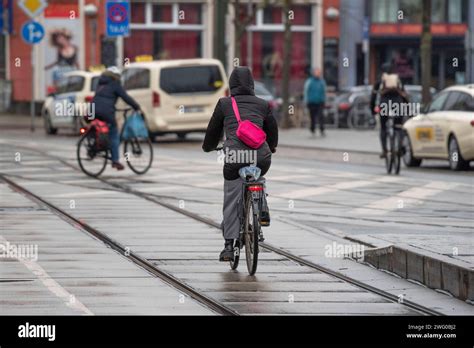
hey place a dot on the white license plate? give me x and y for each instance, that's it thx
(193, 109)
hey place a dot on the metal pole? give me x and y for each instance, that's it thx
(249, 39)
(32, 103)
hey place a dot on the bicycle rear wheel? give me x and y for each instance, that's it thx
(138, 154)
(388, 158)
(396, 154)
(91, 160)
(251, 231)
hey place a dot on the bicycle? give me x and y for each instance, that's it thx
(394, 148)
(249, 210)
(93, 153)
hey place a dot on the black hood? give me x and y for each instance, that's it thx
(107, 77)
(241, 81)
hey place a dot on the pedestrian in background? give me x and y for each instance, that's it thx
(314, 97)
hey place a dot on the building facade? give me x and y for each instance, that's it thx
(394, 36)
(163, 30)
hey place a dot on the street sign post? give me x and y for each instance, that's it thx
(32, 33)
(117, 18)
(365, 48)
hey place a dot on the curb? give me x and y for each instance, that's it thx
(433, 273)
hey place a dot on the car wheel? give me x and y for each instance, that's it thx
(408, 158)
(48, 127)
(456, 162)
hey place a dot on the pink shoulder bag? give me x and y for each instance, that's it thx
(247, 132)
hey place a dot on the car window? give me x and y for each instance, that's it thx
(75, 83)
(451, 100)
(135, 78)
(191, 79)
(438, 102)
(463, 103)
(61, 85)
(261, 90)
(94, 83)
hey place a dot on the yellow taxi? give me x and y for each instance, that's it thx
(444, 130)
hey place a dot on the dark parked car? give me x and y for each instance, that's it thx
(275, 103)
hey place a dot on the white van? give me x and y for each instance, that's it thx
(176, 96)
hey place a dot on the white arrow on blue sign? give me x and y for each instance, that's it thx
(32, 32)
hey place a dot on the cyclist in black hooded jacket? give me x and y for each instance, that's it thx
(108, 91)
(223, 120)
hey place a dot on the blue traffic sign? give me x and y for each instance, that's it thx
(32, 32)
(117, 18)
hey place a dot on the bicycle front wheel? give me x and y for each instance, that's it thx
(91, 160)
(252, 230)
(138, 154)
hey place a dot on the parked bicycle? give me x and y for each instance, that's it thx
(93, 149)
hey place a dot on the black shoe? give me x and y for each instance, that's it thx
(383, 154)
(118, 165)
(264, 214)
(323, 134)
(228, 253)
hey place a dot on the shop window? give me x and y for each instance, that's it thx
(457, 11)
(267, 59)
(138, 12)
(136, 78)
(449, 11)
(244, 13)
(176, 44)
(302, 15)
(272, 15)
(162, 13)
(384, 11)
(164, 44)
(190, 14)
(438, 11)
(412, 11)
(331, 61)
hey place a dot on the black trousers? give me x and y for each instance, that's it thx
(316, 115)
(383, 129)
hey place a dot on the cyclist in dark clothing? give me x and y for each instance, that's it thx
(108, 91)
(386, 92)
(224, 121)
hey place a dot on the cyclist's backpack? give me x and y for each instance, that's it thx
(101, 135)
(390, 82)
(247, 132)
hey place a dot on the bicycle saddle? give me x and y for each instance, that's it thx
(250, 173)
